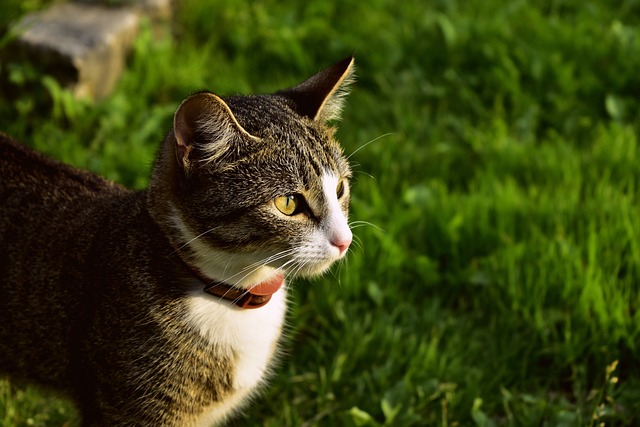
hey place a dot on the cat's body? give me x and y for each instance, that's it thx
(101, 288)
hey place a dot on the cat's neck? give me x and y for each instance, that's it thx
(256, 296)
(206, 264)
(240, 270)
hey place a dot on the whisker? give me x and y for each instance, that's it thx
(270, 258)
(240, 296)
(368, 143)
(252, 268)
(294, 263)
(194, 239)
(277, 256)
(358, 243)
(368, 175)
(225, 294)
(360, 223)
(341, 263)
(336, 274)
(297, 266)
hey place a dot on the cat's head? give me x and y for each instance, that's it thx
(247, 185)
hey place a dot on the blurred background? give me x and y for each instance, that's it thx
(496, 274)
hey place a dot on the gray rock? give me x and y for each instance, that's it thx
(83, 46)
(157, 10)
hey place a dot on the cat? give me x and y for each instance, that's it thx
(164, 307)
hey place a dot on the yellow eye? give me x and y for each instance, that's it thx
(340, 189)
(286, 204)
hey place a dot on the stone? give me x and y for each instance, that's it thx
(157, 10)
(82, 45)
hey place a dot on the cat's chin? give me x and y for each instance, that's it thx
(313, 270)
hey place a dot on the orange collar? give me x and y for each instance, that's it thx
(254, 297)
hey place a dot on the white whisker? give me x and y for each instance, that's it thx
(368, 143)
(194, 239)
(271, 258)
(252, 268)
(368, 175)
(358, 243)
(357, 224)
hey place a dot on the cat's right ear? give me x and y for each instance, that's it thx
(321, 96)
(205, 128)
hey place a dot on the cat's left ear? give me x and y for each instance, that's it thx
(205, 128)
(321, 97)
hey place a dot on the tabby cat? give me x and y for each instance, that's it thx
(164, 307)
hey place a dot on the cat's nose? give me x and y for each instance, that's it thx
(342, 242)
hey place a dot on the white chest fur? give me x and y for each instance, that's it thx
(249, 334)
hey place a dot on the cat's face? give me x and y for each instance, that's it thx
(261, 184)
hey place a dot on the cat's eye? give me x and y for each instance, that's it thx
(340, 189)
(288, 205)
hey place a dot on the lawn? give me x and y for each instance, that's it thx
(496, 201)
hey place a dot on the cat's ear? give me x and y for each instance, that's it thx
(321, 97)
(205, 128)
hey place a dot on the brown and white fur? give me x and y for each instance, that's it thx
(101, 288)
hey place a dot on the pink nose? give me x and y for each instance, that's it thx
(342, 243)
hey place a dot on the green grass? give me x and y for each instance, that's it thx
(501, 278)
